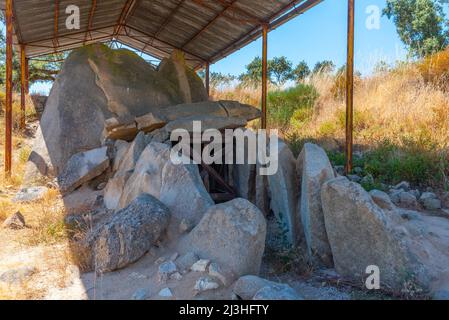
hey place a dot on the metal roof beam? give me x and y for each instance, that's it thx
(126, 12)
(91, 18)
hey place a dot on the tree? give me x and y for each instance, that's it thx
(253, 74)
(325, 66)
(281, 70)
(42, 70)
(421, 24)
(301, 72)
(218, 79)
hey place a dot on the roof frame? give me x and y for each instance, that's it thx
(245, 19)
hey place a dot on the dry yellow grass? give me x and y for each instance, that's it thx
(397, 105)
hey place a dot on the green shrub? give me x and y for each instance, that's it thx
(389, 163)
(294, 103)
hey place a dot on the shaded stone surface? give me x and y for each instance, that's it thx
(128, 234)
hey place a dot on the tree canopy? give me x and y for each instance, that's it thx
(44, 69)
(421, 24)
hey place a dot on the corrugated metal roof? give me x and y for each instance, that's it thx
(205, 30)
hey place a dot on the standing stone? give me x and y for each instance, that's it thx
(314, 169)
(408, 248)
(232, 234)
(83, 167)
(15, 222)
(129, 233)
(284, 193)
(166, 269)
(121, 148)
(179, 187)
(255, 288)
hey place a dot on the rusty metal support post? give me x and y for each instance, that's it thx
(23, 84)
(350, 88)
(8, 79)
(27, 75)
(264, 75)
(208, 78)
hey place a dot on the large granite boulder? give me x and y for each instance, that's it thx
(410, 249)
(314, 169)
(95, 84)
(128, 234)
(251, 287)
(232, 234)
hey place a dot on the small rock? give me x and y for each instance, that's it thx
(166, 269)
(17, 276)
(14, 222)
(445, 200)
(441, 295)
(166, 293)
(357, 170)
(354, 178)
(200, 266)
(404, 185)
(160, 260)
(404, 199)
(429, 189)
(446, 211)
(382, 199)
(277, 292)
(30, 194)
(367, 180)
(185, 226)
(186, 261)
(205, 284)
(140, 294)
(176, 276)
(74, 223)
(430, 201)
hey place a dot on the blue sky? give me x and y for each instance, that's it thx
(320, 34)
